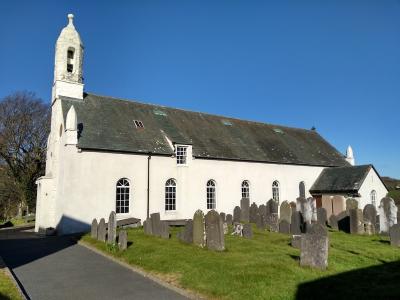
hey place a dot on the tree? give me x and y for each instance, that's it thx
(24, 128)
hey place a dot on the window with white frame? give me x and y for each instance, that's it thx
(211, 198)
(181, 154)
(245, 189)
(170, 194)
(122, 196)
(373, 197)
(275, 191)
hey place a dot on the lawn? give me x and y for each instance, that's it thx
(267, 267)
(7, 288)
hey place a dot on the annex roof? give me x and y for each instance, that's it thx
(107, 123)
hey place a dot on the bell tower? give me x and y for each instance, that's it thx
(68, 71)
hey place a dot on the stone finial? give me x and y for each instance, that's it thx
(70, 20)
(350, 156)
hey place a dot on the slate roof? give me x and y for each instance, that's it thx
(108, 124)
(341, 180)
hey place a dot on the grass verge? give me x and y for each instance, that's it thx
(8, 290)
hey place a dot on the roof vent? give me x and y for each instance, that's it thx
(159, 112)
(138, 124)
(278, 130)
(226, 122)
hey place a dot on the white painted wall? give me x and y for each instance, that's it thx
(371, 182)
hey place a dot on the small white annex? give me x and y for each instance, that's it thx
(106, 154)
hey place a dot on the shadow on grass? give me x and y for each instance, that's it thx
(377, 282)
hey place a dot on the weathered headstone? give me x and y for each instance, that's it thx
(369, 228)
(229, 219)
(273, 222)
(285, 212)
(247, 231)
(237, 229)
(164, 230)
(305, 208)
(122, 240)
(388, 214)
(112, 228)
(369, 213)
(93, 229)
(272, 207)
(260, 221)
(214, 231)
(295, 225)
(394, 233)
(333, 222)
(313, 205)
(253, 213)
(186, 235)
(147, 227)
(199, 229)
(314, 247)
(284, 227)
(321, 216)
(225, 228)
(236, 214)
(155, 224)
(223, 217)
(296, 241)
(356, 221)
(245, 210)
(351, 203)
(262, 209)
(102, 230)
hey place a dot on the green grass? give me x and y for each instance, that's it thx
(267, 267)
(16, 222)
(8, 289)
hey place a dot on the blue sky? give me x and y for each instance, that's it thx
(334, 65)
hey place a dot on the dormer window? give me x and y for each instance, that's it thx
(138, 124)
(181, 155)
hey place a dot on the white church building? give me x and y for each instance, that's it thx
(106, 154)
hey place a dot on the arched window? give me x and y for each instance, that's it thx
(373, 197)
(275, 191)
(211, 201)
(245, 189)
(302, 189)
(170, 194)
(122, 193)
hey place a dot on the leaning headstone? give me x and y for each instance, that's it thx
(93, 229)
(351, 203)
(273, 222)
(223, 217)
(236, 214)
(247, 231)
(199, 229)
(214, 231)
(388, 214)
(272, 207)
(155, 224)
(237, 229)
(369, 214)
(321, 216)
(333, 222)
(356, 221)
(102, 230)
(314, 247)
(285, 212)
(112, 228)
(186, 235)
(164, 230)
(245, 210)
(394, 233)
(296, 241)
(284, 227)
(295, 224)
(122, 240)
(229, 219)
(253, 213)
(147, 227)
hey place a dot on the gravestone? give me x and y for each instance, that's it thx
(260, 222)
(314, 247)
(369, 213)
(147, 227)
(295, 225)
(296, 241)
(199, 229)
(356, 221)
(351, 203)
(388, 214)
(237, 229)
(247, 231)
(343, 220)
(313, 205)
(186, 235)
(262, 209)
(214, 231)
(305, 208)
(394, 233)
(229, 219)
(285, 212)
(223, 217)
(333, 222)
(377, 224)
(225, 228)
(272, 207)
(155, 224)
(122, 240)
(164, 230)
(236, 214)
(273, 222)
(93, 229)
(321, 216)
(102, 230)
(253, 213)
(112, 228)
(244, 210)
(398, 214)
(284, 227)
(369, 228)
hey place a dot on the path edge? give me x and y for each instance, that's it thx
(13, 278)
(181, 291)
